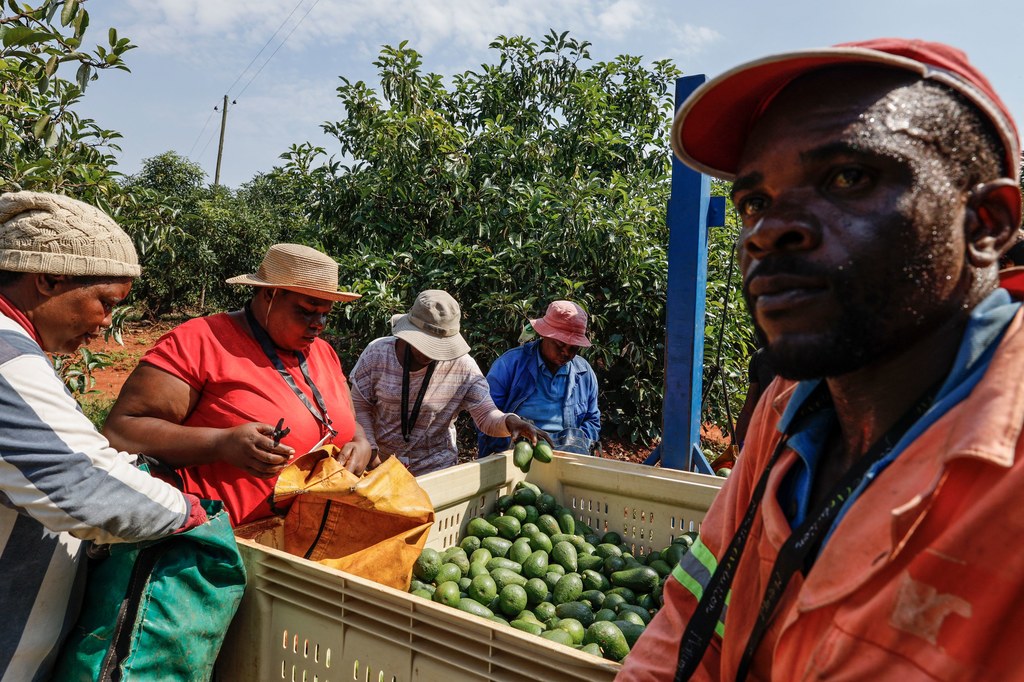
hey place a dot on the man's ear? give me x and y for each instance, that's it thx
(992, 220)
(50, 285)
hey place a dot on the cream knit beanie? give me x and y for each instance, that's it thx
(57, 235)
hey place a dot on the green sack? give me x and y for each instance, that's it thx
(158, 610)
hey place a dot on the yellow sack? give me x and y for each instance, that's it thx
(374, 526)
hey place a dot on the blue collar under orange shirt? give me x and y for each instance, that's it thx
(984, 331)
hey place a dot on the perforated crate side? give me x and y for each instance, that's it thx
(303, 621)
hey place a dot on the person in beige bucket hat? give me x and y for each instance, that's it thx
(546, 382)
(408, 388)
(432, 325)
(230, 398)
(64, 265)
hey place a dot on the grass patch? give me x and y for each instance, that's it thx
(96, 409)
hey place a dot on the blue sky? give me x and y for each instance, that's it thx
(192, 52)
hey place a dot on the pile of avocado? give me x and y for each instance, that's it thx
(531, 565)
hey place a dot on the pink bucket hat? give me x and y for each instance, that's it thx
(564, 321)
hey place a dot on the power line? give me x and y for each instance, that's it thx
(269, 40)
(279, 47)
(201, 132)
(243, 72)
(213, 133)
(253, 78)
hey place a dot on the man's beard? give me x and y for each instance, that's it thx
(876, 321)
(833, 352)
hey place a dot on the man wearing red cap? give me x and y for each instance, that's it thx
(547, 383)
(864, 532)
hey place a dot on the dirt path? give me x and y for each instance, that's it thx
(137, 340)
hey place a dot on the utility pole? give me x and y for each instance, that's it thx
(220, 147)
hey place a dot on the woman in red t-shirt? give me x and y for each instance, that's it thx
(206, 398)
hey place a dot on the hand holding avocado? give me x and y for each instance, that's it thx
(520, 429)
(523, 454)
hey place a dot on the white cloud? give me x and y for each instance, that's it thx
(690, 39)
(206, 29)
(620, 17)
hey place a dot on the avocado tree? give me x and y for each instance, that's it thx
(44, 71)
(542, 175)
(191, 236)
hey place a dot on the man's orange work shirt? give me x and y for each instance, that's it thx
(922, 579)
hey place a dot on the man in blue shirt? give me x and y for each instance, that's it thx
(547, 383)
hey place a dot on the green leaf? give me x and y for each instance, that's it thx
(40, 126)
(17, 36)
(81, 22)
(52, 138)
(67, 15)
(82, 77)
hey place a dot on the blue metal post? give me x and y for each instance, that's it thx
(688, 218)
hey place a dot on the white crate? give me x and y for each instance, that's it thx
(648, 506)
(303, 622)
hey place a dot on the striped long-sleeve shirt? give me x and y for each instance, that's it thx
(456, 385)
(61, 484)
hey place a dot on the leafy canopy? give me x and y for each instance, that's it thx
(542, 175)
(44, 71)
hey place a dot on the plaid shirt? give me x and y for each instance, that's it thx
(456, 385)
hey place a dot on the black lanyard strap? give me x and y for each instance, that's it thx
(797, 553)
(409, 420)
(263, 338)
(801, 548)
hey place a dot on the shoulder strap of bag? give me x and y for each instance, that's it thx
(263, 338)
(798, 551)
(409, 420)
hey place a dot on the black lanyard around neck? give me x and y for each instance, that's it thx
(409, 420)
(263, 338)
(797, 553)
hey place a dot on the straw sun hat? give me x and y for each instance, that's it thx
(432, 326)
(297, 268)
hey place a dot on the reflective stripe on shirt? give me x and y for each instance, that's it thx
(694, 572)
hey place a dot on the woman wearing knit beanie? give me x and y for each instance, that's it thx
(64, 265)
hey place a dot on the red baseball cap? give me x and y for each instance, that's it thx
(711, 127)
